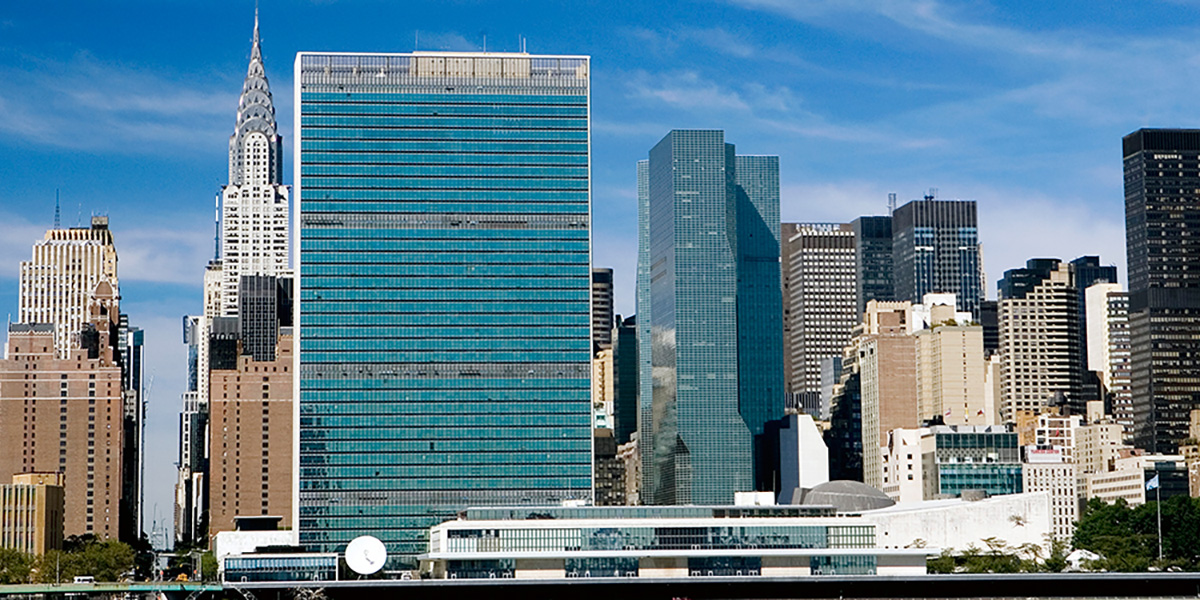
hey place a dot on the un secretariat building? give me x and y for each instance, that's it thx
(444, 227)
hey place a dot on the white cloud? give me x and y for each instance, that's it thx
(91, 105)
(144, 252)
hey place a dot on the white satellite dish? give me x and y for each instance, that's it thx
(365, 555)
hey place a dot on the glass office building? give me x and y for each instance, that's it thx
(709, 317)
(935, 249)
(444, 289)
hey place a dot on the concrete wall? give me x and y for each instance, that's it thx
(956, 524)
(786, 566)
(900, 566)
(541, 568)
(662, 567)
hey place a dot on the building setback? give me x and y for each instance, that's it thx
(1162, 241)
(935, 249)
(444, 292)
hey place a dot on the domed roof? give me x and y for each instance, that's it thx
(847, 496)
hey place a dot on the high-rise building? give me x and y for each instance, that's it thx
(873, 260)
(1162, 241)
(251, 447)
(254, 205)
(67, 415)
(950, 366)
(246, 310)
(935, 248)
(1041, 361)
(1107, 308)
(820, 298)
(710, 302)
(445, 290)
(625, 379)
(57, 283)
(602, 307)
(885, 358)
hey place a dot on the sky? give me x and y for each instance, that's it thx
(124, 108)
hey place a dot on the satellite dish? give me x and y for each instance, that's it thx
(365, 555)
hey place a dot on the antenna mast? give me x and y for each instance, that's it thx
(57, 211)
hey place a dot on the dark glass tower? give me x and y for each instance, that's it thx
(1162, 240)
(873, 259)
(709, 270)
(444, 291)
(935, 249)
(625, 378)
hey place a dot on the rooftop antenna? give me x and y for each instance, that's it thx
(57, 211)
(485, 43)
(416, 40)
(933, 192)
(79, 216)
(891, 202)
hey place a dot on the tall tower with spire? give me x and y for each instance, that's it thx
(254, 206)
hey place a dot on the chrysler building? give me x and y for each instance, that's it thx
(254, 206)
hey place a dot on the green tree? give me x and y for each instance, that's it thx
(15, 566)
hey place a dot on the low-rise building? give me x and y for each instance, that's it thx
(31, 513)
(1132, 474)
(1048, 469)
(662, 541)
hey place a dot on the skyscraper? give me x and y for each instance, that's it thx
(602, 307)
(237, 339)
(709, 273)
(1041, 361)
(62, 394)
(873, 260)
(821, 298)
(935, 248)
(1162, 240)
(254, 206)
(444, 298)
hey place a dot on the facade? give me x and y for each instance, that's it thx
(609, 475)
(66, 415)
(873, 260)
(57, 283)
(950, 367)
(803, 457)
(886, 362)
(1047, 470)
(710, 272)
(979, 457)
(32, 510)
(445, 290)
(625, 378)
(1087, 271)
(1108, 353)
(909, 470)
(254, 205)
(247, 306)
(935, 249)
(251, 446)
(1162, 173)
(1039, 339)
(677, 541)
(821, 299)
(1130, 476)
(602, 307)
(603, 388)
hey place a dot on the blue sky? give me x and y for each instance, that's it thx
(126, 108)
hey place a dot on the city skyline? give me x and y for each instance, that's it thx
(162, 100)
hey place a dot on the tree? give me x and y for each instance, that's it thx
(15, 566)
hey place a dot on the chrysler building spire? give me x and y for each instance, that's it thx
(254, 206)
(256, 114)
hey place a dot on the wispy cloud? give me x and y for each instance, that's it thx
(88, 104)
(145, 252)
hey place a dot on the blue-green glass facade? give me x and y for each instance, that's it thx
(978, 460)
(709, 317)
(444, 314)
